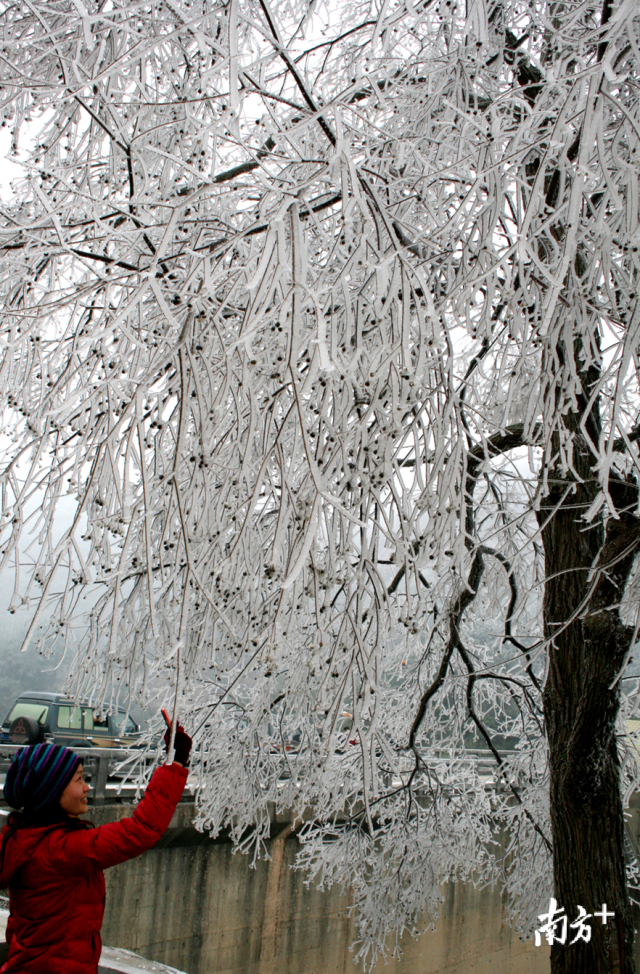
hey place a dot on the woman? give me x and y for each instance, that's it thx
(53, 863)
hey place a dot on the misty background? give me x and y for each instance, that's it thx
(21, 671)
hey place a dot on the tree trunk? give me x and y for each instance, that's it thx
(580, 709)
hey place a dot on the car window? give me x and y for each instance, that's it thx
(69, 718)
(95, 721)
(38, 711)
(129, 727)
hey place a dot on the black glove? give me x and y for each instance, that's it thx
(181, 745)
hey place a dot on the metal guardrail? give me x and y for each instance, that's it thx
(101, 769)
(108, 783)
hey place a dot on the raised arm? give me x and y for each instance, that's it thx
(79, 852)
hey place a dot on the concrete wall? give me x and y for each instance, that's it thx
(191, 903)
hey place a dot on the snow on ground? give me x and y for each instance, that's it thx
(114, 960)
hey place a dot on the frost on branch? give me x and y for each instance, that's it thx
(295, 309)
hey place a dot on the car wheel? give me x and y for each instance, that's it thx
(25, 730)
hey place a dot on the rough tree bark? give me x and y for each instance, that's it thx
(586, 570)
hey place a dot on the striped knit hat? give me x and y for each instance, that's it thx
(38, 775)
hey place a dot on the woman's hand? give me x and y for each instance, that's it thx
(181, 745)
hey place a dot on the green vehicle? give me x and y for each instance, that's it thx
(52, 717)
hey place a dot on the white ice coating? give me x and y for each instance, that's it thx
(278, 300)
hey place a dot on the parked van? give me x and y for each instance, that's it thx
(52, 717)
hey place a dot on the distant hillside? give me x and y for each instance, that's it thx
(20, 671)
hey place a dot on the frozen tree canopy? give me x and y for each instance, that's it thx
(323, 317)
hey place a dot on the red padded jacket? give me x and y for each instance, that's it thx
(56, 884)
